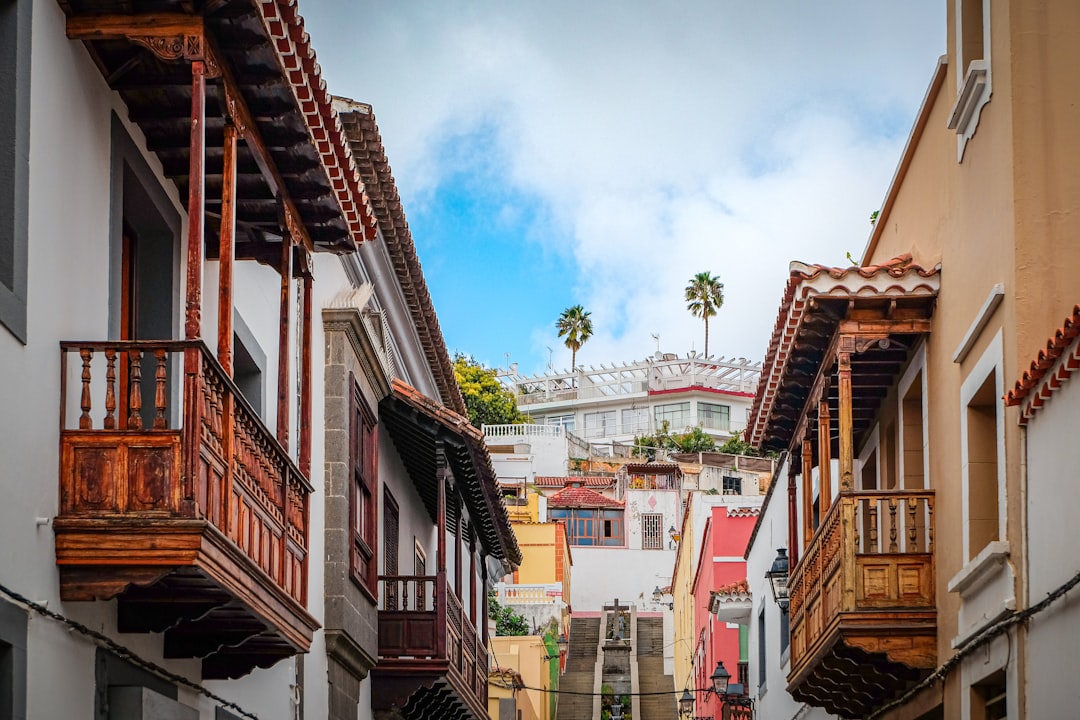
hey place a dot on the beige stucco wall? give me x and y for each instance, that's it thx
(1006, 214)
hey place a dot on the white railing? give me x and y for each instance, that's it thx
(523, 430)
(538, 594)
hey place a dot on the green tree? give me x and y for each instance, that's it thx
(704, 296)
(507, 620)
(695, 440)
(575, 325)
(486, 399)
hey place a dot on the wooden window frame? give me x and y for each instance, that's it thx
(363, 493)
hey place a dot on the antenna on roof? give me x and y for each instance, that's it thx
(656, 337)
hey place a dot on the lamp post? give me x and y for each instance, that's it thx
(721, 687)
(686, 704)
(720, 678)
(778, 578)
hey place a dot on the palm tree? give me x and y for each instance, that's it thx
(704, 296)
(576, 325)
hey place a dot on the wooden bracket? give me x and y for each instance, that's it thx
(169, 36)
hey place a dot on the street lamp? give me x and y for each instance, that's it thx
(778, 578)
(686, 703)
(563, 643)
(720, 678)
(657, 594)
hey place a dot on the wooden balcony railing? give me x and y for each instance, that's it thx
(158, 430)
(873, 555)
(421, 619)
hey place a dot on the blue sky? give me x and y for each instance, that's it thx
(602, 153)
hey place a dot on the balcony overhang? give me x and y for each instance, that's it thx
(418, 426)
(193, 517)
(294, 167)
(882, 309)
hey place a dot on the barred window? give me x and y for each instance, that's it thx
(652, 531)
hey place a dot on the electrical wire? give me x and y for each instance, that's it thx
(978, 641)
(122, 651)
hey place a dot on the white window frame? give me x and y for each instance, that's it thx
(973, 82)
(991, 361)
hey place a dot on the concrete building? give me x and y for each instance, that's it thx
(885, 382)
(609, 406)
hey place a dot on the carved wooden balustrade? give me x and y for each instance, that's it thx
(422, 627)
(866, 581)
(164, 465)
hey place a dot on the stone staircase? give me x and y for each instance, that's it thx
(580, 670)
(651, 677)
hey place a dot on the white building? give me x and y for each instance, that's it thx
(1050, 411)
(609, 406)
(769, 655)
(199, 520)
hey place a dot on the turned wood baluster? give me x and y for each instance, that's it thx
(892, 525)
(913, 536)
(110, 389)
(84, 419)
(135, 395)
(405, 594)
(930, 525)
(873, 526)
(160, 423)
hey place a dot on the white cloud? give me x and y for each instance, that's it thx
(666, 138)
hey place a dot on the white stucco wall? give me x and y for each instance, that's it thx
(773, 700)
(639, 502)
(1053, 496)
(69, 281)
(599, 575)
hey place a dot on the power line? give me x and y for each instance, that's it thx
(122, 651)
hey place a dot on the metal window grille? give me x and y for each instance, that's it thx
(652, 529)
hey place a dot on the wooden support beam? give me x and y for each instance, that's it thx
(808, 489)
(283, 343)
(226, 254)
(241, 115)
(458, 546)
(793, 516)
(847, 460)
(440, 505)
(193, 301)
(111, 27)
(304, 456)
(824, 457)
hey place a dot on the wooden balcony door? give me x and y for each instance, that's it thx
(147, 298)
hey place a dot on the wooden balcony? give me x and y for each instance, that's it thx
(189, 512)
(862, 612)
(433, 662)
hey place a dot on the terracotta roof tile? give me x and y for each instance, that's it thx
(1050, 368)
(586, 481)
(742, 587)
(581, 497)
(285, 28)
(743, 511)
(898, 276)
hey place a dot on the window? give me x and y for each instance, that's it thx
(12, 661)
(714, 417)
(989, 698)
(14, 162)
(363, 452)
(973, 74)
(676, 415)
(982, 466)
(566, 422)
(248, 363)
(588, 527)
(600, 424)
(652, 531)
(785, 632)
(732, 485)
(635, 420)
(762, 655)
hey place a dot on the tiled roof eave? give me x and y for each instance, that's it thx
(1050, 369)
(285, 29)
(896, 278)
